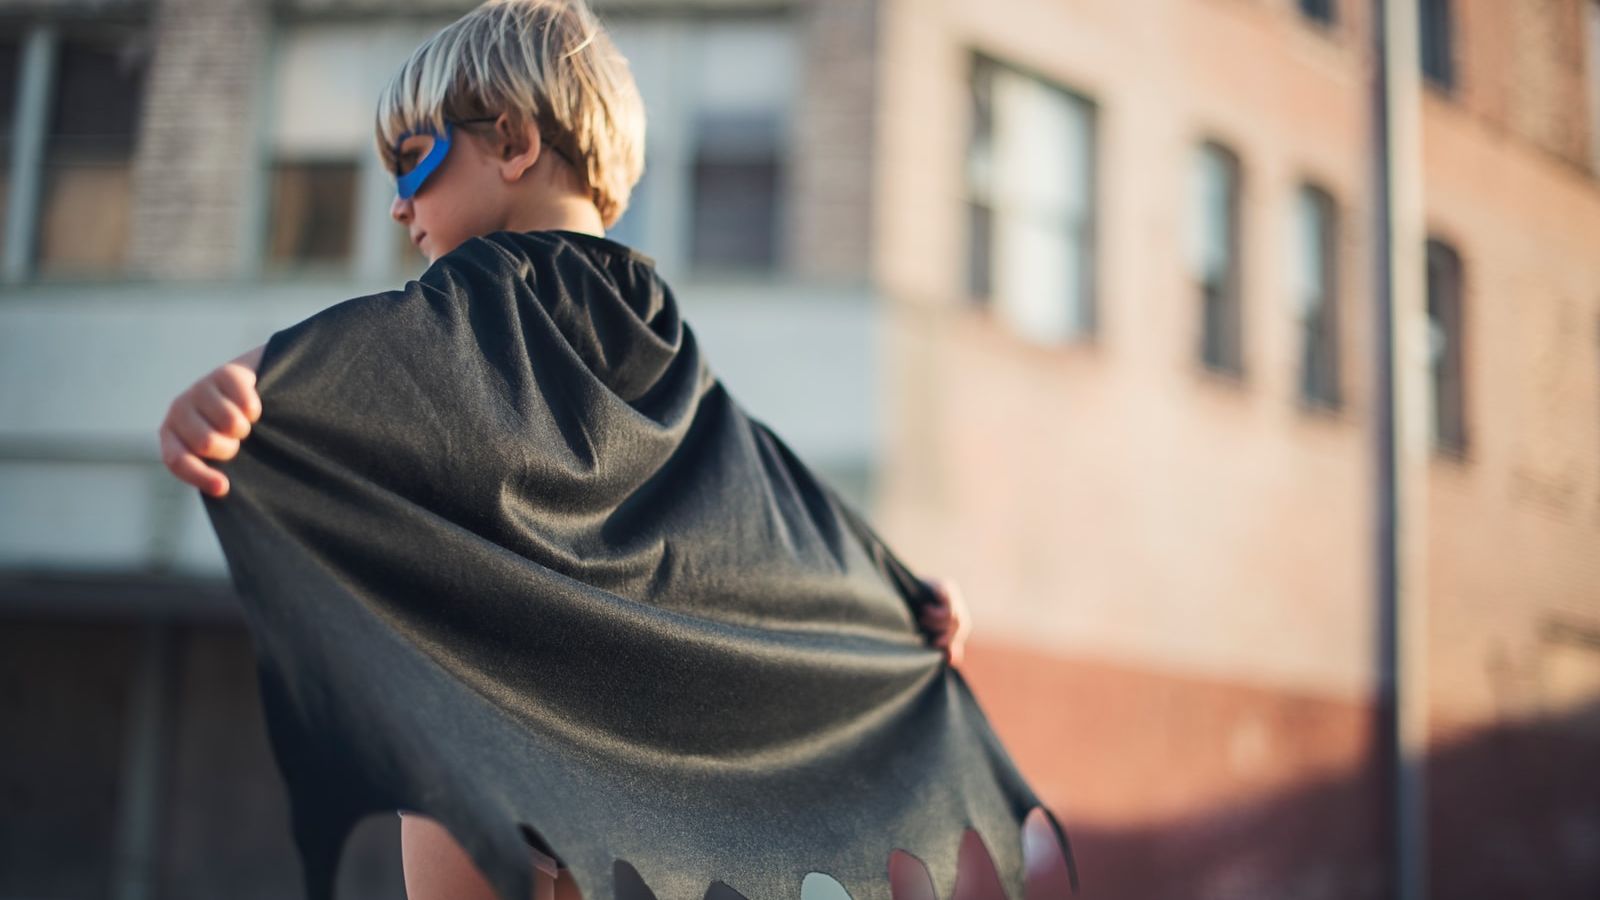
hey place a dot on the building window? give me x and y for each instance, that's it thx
(1315, 296)
(313, 210)
(1031, 203)
(1445, 347)
(320, 114)
(1318, 10)
(735, 185)
(327, 196)
(86, 188)
(10, 83)
(1435, 28)
(1593, 23)
(721, 93)
(741, 102)
(1214, 258)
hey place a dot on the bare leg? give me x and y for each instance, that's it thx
(436, 867)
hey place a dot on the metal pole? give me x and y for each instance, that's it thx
(1402, 389)
(28, 132)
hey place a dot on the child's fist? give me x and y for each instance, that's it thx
(209, 419)
(947, 622)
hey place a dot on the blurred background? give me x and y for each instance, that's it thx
(1081, 302)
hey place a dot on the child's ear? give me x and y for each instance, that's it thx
(518, 151)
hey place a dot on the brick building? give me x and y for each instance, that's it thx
(1096, 279)
(1128, 254)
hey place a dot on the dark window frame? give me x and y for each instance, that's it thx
(980, 211)
(1591, 50)
(736, 156)
(84, 131)
(10, 92)
(1436, 36)
(720, 243)
(1323, 12)
(1321, 371)
(278, 265)
(1446, 289)
(1221, 333)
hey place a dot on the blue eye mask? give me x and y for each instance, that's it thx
(408, 183)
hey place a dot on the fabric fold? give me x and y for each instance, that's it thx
(512, 556)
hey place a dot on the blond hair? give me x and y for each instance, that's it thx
(543, 61)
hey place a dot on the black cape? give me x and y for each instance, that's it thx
(512, 556)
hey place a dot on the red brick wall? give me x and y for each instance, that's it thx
(1173, 572)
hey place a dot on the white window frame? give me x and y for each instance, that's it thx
(36, 67)
(666, 55)
(1051, 238)
(375, 251)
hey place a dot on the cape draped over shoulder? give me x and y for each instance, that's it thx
(513, 557)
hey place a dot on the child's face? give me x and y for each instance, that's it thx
(463, 197)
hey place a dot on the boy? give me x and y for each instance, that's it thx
(519, 117)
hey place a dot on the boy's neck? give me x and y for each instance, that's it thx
(564, 213)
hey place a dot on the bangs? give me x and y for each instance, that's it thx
(545, 62)
(418, 98)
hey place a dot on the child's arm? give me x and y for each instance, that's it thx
(948, 623)
(209, 419)
(936, 603)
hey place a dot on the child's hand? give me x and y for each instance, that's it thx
(948, 623)
(209, 419)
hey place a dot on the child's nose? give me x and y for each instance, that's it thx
(400, 210)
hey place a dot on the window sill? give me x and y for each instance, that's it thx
(1336, 413)
(1450, 455)
(1232, 379)
(982, 317)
